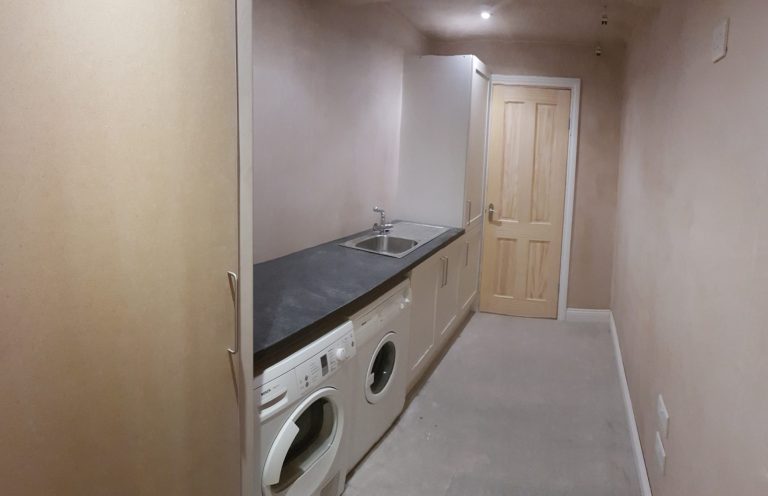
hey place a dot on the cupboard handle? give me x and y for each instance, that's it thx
(442, 271)
(234, 288)
(469, 211)
(466, 257)
(444, 280)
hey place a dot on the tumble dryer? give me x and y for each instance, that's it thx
(382, 334)
(304, 407)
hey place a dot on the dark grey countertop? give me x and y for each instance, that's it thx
(299, 297)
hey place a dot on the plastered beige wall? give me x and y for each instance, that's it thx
(597, 166)
(690, 286)
(327, 100)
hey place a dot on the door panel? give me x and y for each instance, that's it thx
(424, 282)
(468, 279)
(473, 182)
(516, 154)
(507, 264)
(448, 290)
(118, 201)
(527, 156)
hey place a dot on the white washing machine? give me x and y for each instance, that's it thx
(382, 335)
(304, 407)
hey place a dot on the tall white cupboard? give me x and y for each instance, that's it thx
(441, 181)
(442, 144)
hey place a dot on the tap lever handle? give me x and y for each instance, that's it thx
(382, 215)
(382, 227)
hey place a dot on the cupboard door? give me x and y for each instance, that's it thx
(450, 259)
(118, 193)
(470, 270)
(473, 183)
(424, 281)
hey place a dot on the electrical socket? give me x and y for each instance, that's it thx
(661, 454)
(662, 417)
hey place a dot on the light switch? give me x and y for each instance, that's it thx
(720, 40)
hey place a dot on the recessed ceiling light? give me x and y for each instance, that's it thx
(485, 14)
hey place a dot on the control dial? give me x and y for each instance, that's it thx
(341, 354)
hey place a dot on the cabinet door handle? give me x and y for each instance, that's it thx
(469, 211)
(234, 288)
(466, 257)
(442, 271)
(444, 279)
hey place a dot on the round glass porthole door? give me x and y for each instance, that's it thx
(305, 448)
(382, 369)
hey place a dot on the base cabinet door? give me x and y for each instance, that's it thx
(424, 281)
(446, 310)
(436, 307)
(470, 270)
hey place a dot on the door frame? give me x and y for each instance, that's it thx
(573, 84)
(248, 428)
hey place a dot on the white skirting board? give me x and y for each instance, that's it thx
(642, 473)
(587, 315)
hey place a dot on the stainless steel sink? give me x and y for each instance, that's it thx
(386, 244)
(403, 238)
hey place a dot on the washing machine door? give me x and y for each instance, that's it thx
(302, 454)
(382, 368)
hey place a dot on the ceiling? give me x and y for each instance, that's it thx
(564, 21)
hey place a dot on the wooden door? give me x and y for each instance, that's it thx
(527, 156)
(118, 206)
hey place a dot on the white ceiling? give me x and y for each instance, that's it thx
(569, 21)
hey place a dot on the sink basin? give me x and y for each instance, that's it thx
(386, 244)
(403, 238)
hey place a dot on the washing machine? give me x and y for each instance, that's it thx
(304, 407)
(382, 334)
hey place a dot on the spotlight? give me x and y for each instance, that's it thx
(485, 15)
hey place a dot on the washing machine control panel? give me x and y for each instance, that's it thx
(321, 366)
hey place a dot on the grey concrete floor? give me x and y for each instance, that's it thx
(517, 407)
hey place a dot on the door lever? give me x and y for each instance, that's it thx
(234, 288)
(491, 211)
